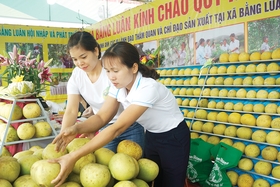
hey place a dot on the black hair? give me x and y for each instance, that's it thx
(128, 55)
(232, 35)
(201, 41)
(85, 40)
(265, 37)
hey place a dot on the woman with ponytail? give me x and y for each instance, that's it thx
(167, 138)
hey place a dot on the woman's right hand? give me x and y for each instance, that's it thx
(65, 137)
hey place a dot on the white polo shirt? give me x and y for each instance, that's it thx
(163, 113)
(265, 46)
(93, 93)
(233, 45)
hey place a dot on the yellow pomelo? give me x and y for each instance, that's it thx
(271, 108)
(197, 126)
(187, 71)
(103, 155)
(252, 150)
(261, 67)
(228, 81)
(163, 72)
(219, 81)
(276, 172)
(261, 182)
(245, 180)
(167, 81)
(233, 177)
(275, 123)
(219, 129)
(246, 164)
(213, 70)
(206, 92)
(244, 133)
(248, 107)
(258, 108)
(212, 115)
(213, 140)
(190, 91)
(263, 167)
(207, 127)
(204, 137)
(203, 103)
(214, 92)
(201, 81)
(26, 131)
(212, 104)
(31, 110)
(259, 136)
(220, 105)
(227, 141)
(241, 93)
(276, 54)
(230, 131)
(185, 102)
(195, 71)
(222, 69)
(234, 118)
(248, 119)
(262, 94)
(250, 68)
(194, 81)
(266, 55)
(240, 69)
(6, 110)
(273, 137)
(130, 148)
(187, 82)
(201, 114)
(179, 82)
(270, 81)
(255, 56)
(210, 81)
(231, 69)
(240, 146)
(190, 114)
(238, 106)
(258, 80)
(182, 91)
(273, 95)
(248, 81)
(251, 94)
(168, 72)
(233, 57)
(264, 121)
(238, 81)
(231, 93)
(193, 102)
(222, 117)
(173, 82)
(43, 129)
(185, 112)
(269, 153)
(197, 91)
(273, 66)
(224, 57)
(229, 106)
(181, 72)
(176, 91)
(244, 57)
(179, 101)
(175, 71)
(204, 71)
(194, 135)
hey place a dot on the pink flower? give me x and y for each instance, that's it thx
(41, 65)
(4, 61)
(45, 75)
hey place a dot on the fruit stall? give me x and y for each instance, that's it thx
(234, 101)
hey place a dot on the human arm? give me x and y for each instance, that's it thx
(128, 117)
(92, 124)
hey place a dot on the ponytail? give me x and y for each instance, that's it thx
(148, 72)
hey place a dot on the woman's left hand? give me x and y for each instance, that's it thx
(67, 163)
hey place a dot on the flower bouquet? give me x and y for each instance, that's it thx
(25, 76)
(150, 59)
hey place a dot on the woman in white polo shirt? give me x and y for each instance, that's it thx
(89, 81)
(167, 139)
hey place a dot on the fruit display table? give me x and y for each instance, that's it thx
(23, 121)
(237, 103)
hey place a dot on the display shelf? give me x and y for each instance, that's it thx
(236, 138)
(234, 124)
(234, 100)
(261, 159)
(238, 111)
(9, 121)
(254, 173)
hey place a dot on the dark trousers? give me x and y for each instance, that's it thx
(170, 150)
